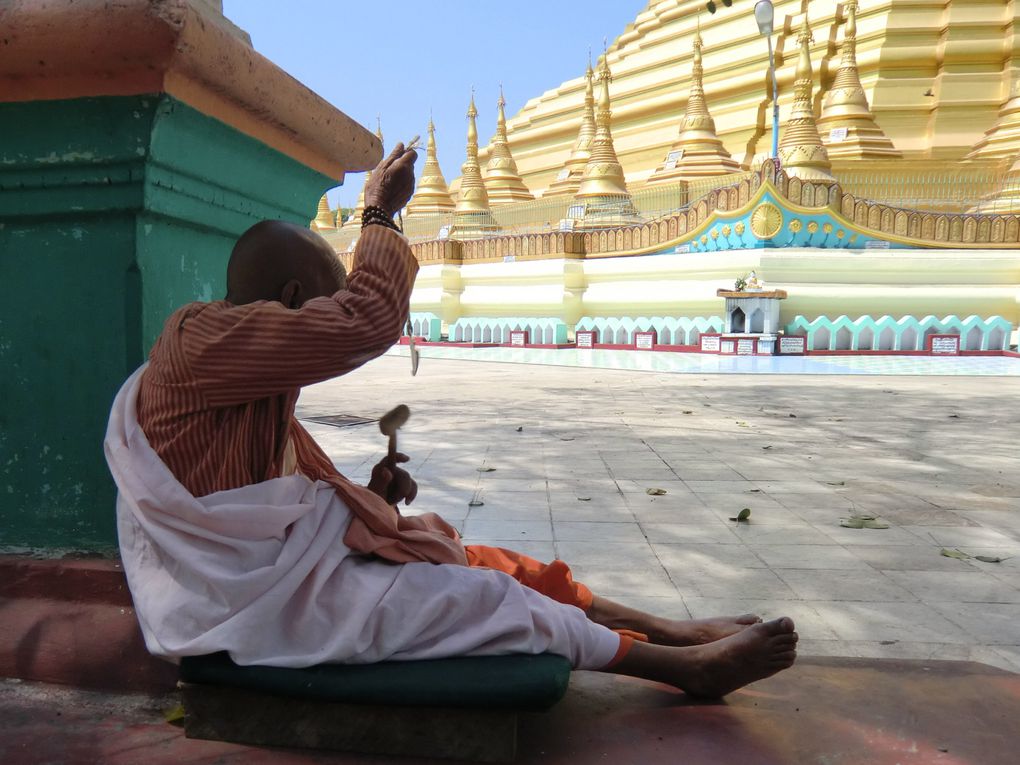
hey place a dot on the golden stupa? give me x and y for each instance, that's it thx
(324, 219)
(1003, 139)
(502, 181)
(848, 128)
(602, 198)
(432, 194)
(472, 216)
(698, 152)
(568, 180)
(354, 221)
(800, 146)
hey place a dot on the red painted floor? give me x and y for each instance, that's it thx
(824, 711)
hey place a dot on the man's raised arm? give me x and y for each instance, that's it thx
(245, 352)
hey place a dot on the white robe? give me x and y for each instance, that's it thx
(262, 572)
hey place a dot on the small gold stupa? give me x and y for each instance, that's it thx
(359, 208)
(1003, 139)
(502, 180)
(324, 220)
(568, 181)
(697, 152)
(603, 198)
(847, 125)
(800, 147)
(472, 216)
(432, 194)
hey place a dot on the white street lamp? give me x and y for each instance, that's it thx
(764, 14)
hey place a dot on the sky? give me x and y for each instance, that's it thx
(400, 59)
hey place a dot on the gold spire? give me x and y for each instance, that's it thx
(472, 216)
(847, 125)
(359, 208)
(800, 149)
(323, 217)
(698, 152)
(432, 195)
(603, 191)
(569, 179)
(502, 181)
(1003, 140)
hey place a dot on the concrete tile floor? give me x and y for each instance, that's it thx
(932, 456)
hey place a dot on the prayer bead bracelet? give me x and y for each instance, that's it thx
(376, 215)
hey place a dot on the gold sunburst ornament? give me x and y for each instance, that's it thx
(766, 221)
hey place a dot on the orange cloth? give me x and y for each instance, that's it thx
(554, 580)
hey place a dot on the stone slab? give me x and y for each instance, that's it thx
(248, 717)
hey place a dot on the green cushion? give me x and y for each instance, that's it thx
(518, 681)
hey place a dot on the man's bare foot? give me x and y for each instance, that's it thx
(700, 631)
(752, 654)
(715, 669)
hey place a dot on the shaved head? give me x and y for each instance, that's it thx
(276, 260)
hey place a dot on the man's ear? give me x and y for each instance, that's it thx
(290, 295)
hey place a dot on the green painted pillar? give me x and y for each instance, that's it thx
(113, 211)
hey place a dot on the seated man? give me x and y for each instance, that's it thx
(238, 533)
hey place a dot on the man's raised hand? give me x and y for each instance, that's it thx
(392, 483)
(392, 182)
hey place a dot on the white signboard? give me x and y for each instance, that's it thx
(710, 343)
(644, 341)
(519, 338)
(792, 345)
(945, 345)
(509, 258)
(682, 249)
(745, 346)
(876, 244)
(673, 158)
(585, 339)
(838, 135)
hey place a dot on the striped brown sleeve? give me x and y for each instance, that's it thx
(244, 353)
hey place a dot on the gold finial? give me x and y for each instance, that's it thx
(432, 194)
(569, 178)
(848, 126)
(502, 179)
(603, 193)
(800, 148)
(472, 217)
(697, 152)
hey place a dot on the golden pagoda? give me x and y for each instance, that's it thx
(324, 220)
(602, 198)
(848, 128)
(502, 181)
(697, 152)
(432, 194)
(1003, 139)
(568, 181)
(359, 208)
(800, 147)
(472, 217)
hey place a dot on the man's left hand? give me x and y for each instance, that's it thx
(392, 483)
